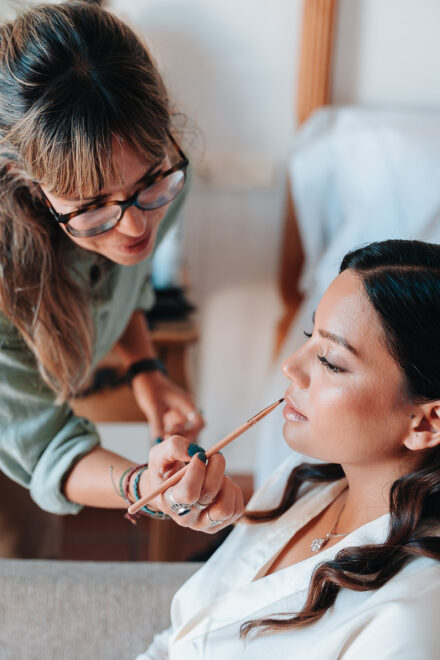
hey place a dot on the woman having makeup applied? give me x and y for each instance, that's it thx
(91, 178)
(339, 559)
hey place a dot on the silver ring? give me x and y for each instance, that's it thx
(178, 507)
(191, 416)
(214, 523)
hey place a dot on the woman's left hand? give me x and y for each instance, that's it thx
(168, 408)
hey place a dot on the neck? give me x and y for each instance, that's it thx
(368, 493)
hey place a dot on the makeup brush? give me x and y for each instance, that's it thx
(171, 481)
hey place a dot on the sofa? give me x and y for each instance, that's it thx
(84, 610)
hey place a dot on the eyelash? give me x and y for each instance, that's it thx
(328, 365)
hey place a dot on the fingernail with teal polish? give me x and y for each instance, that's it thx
(193, 449)
(158, 441)
(202, 456)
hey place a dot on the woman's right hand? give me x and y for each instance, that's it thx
(214, 497)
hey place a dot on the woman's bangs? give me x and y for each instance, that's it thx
(81, 171)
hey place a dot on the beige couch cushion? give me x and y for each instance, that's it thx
(83, 610)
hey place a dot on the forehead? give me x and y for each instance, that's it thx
(345, 310)
(130, 167)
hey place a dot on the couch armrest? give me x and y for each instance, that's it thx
(82, 610)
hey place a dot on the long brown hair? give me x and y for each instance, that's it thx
(402, 282)
(72, 79)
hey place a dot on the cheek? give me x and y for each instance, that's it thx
(347, 404)
(157, 216)
(357, 422)
(92, 244)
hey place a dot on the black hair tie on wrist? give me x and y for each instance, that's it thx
(144, 366)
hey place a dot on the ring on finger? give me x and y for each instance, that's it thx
(177, 507)
(213, 522)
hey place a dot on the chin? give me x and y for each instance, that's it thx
(126, 260)
(301, 446)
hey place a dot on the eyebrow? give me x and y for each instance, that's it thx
(154, 169)
(338, 339)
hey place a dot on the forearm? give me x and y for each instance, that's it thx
(90, 480)
(135, 344)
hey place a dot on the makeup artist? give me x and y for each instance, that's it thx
(91, 178)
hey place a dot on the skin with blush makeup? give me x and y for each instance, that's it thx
(347, 404)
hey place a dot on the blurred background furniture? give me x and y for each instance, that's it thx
(82, 610)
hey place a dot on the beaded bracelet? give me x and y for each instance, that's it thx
(121, 481)
(128, 477)
(159, 515)
(149, 512)
(132, 517)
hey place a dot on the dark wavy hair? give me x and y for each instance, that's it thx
(402, 282)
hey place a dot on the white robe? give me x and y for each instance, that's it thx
(397, 622)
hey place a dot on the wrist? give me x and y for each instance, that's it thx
(145, 365)
(130, 490)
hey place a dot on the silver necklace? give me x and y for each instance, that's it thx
(321, 541)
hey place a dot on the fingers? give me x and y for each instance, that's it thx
(212, 483)
(202, 483)
(177, 422)
(186, 416)
(174, 422)
(228, 507)
(155, 416)
(174, 448)
(189, 488)
(167, 457)
(168, 408)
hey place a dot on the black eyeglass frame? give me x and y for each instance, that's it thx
(64, 218)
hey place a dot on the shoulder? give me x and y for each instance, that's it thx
(400, 619)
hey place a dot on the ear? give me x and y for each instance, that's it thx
(425, 427)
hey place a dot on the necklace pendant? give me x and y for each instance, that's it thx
(317, 544)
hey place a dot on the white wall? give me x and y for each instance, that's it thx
(388, 53)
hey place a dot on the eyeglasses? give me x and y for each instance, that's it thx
(157, 190)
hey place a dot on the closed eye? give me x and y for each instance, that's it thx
(328, 365)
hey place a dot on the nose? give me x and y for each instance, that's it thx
(133, 222)
(295, 369)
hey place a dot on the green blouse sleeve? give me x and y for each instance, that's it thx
(39, 440)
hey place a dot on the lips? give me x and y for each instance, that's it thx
(136, 244)
(291, 413)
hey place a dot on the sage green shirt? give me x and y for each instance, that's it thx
(40, 440)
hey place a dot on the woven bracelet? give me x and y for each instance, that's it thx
(121, 482)
(159, 515)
